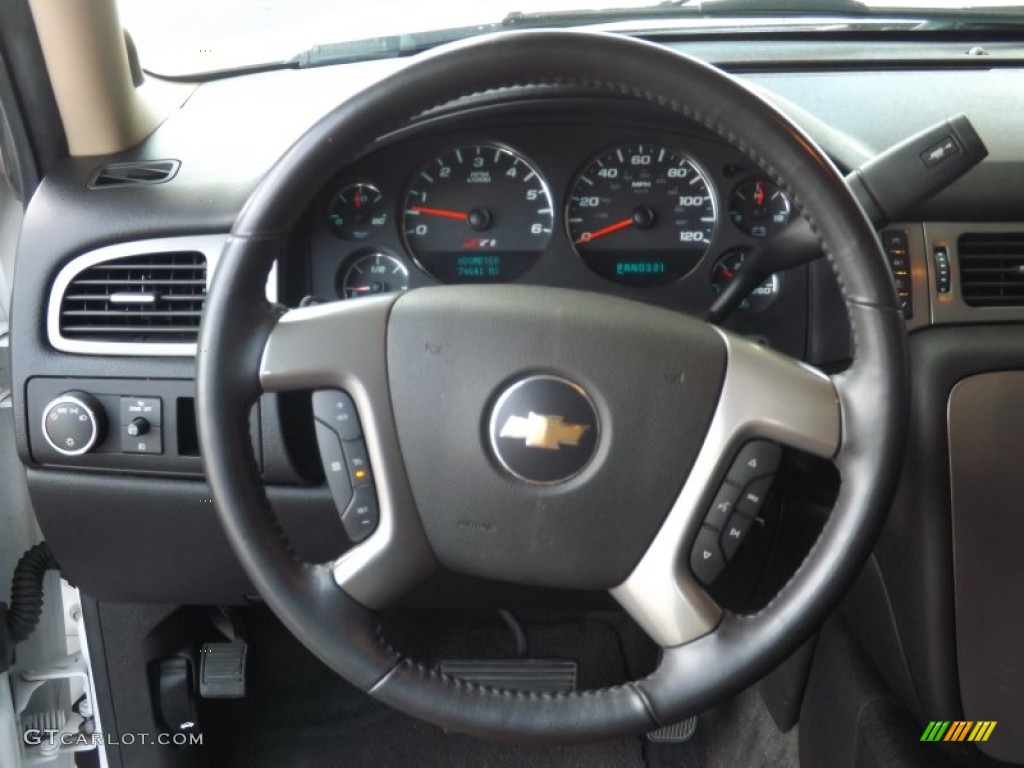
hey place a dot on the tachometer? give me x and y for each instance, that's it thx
(641, 215)
(477, 213)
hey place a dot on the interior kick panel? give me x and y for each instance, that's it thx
(128, 539)
(986, 443)
(915, 553)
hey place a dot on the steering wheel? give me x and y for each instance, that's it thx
(657, 404)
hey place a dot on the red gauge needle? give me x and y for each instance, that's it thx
(591, 236)
(440, 212)
(729, 274)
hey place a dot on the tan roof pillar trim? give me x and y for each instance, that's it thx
(85, 56)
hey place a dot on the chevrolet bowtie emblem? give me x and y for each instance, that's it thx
(540, 431)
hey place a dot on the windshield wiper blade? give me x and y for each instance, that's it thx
(667, 9)
(773, 7)
(394, 46)
(385, 47)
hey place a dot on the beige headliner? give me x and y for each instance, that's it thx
(85, 55)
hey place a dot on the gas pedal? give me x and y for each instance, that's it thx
(222, 670)
(675, 733)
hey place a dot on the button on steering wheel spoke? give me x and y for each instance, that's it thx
(765, 397)
(338, 351)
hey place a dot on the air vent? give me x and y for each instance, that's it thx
(992, 269)
(134, 174)
(148, 298)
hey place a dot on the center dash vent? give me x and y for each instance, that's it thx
(992, 269)
(134, 174)
(146, 298)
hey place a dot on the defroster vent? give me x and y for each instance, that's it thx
(134, 174)
(146, 298)
(992, 269)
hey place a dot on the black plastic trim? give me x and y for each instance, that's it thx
(155, 540)
(915, 551)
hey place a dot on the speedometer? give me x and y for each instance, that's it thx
(641, 215)
(478, 213)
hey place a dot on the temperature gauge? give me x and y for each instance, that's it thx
(759, 208)
(724, 272)
(356, 211)
(373, 273)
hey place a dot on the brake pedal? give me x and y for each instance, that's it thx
(535, 675)
(222, 670)
(675, 733)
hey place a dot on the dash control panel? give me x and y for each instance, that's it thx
(346, 463)
(734, 509)
(120, 425)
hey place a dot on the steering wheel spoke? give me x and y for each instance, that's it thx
(342, 346)
(765, 395)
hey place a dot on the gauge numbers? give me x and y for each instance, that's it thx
(759, 208)
(355, 211)
(371, 274)
(724, 272)
(641, 215)
(477, 213)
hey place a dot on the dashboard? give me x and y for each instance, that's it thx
(628, 202)
(570, 194)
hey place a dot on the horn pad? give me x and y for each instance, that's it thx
(546, 432)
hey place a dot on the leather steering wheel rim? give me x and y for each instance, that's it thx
(238, 325)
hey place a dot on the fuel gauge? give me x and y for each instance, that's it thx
(759, 208)
(373, 273)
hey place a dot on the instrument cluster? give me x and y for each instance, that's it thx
(616, 208)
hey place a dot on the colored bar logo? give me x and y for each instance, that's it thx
(958, 730)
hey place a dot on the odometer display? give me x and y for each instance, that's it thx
(641, 215)
(477, 213)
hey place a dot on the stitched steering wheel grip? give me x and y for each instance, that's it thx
(333, 608)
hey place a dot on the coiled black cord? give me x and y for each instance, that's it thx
(27, 590)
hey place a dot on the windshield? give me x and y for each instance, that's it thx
(198, 36)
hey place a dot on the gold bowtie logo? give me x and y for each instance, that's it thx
(540, 431)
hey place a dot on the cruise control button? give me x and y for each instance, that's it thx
(723, 505)
(336, 409)
(706, 560)
(358, 463)
(362, 515)
(734, 533)
(335, 467)
(753, 496)
(755, 459)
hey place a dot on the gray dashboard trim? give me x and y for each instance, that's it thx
(950, 307)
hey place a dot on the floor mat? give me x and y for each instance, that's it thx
(736, 734)
(300, 713)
